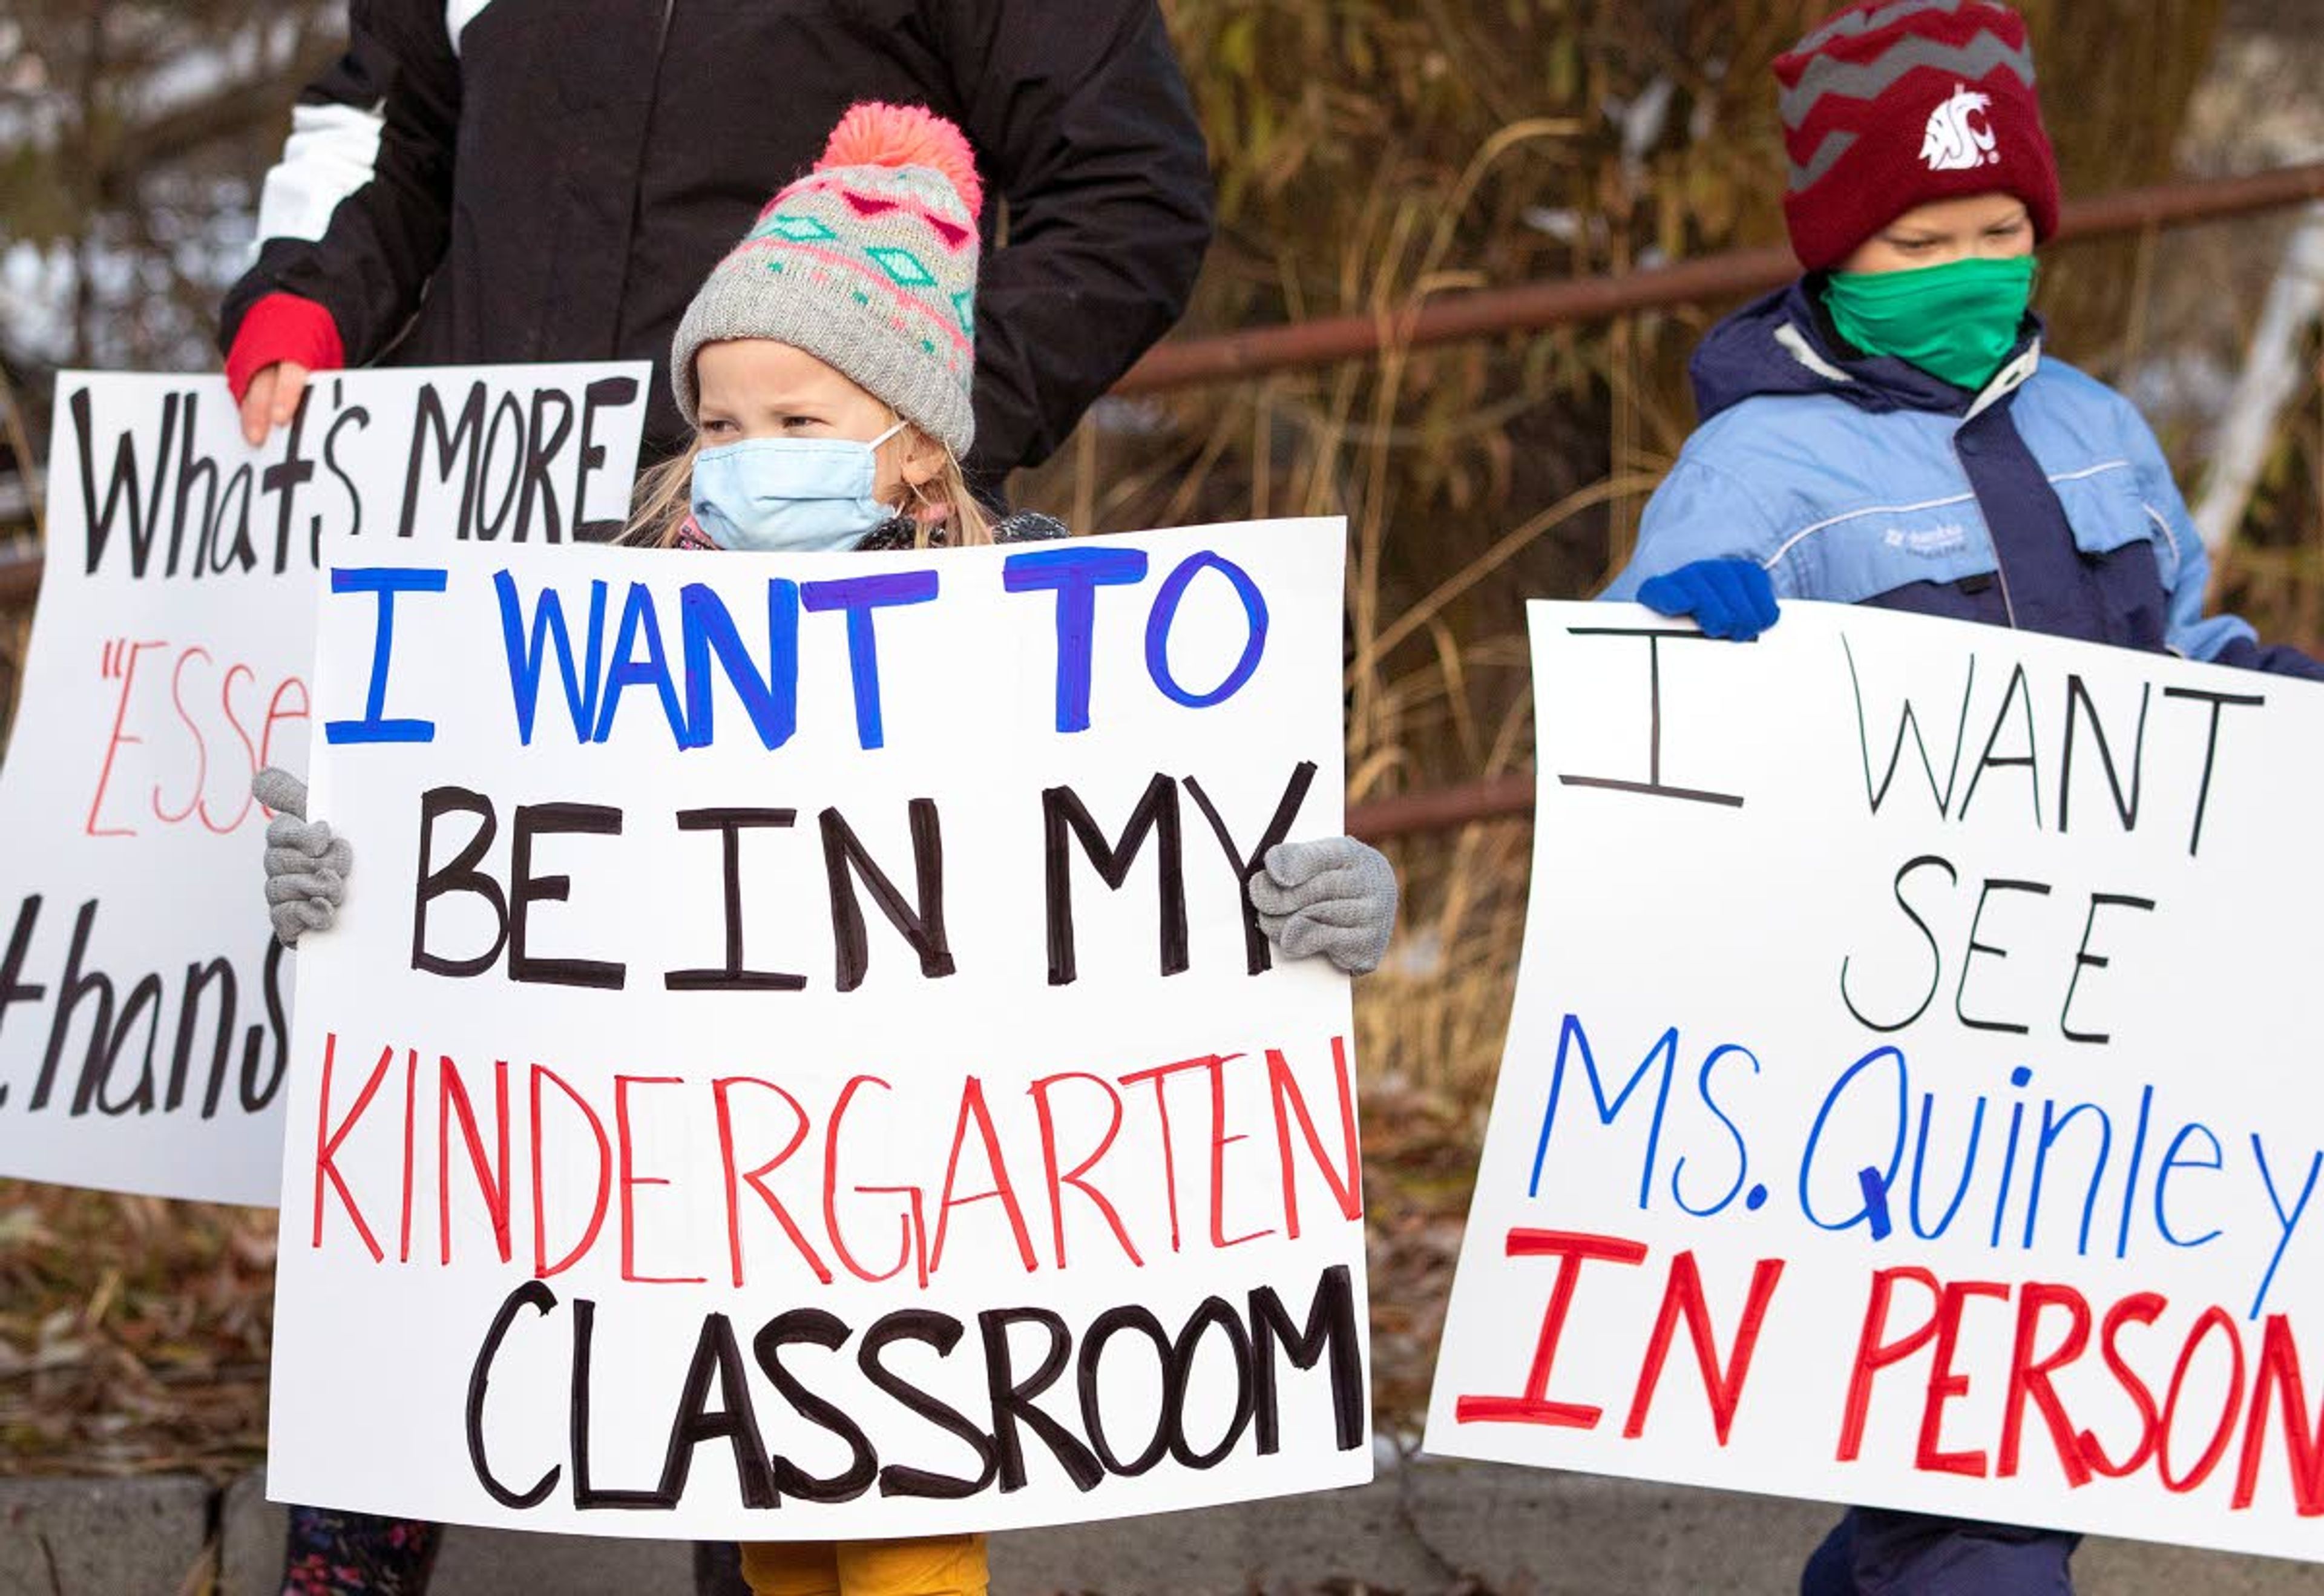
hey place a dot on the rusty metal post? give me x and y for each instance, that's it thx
(1500, 797)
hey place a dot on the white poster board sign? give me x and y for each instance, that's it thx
(797, 1059)
(1910, 1098)
(145, 1009)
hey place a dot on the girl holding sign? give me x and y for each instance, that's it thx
(826, 367)
(1888, 430)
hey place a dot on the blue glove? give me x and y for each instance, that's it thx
(1729, 598)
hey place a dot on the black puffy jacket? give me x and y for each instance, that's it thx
(551, 180)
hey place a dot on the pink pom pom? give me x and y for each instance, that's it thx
(875, 135)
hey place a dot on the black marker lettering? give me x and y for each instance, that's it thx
(1258, 956)
(587, 1496)
(730, 824)
(1936, 959)
(816, 1328)
(1653, 786)
(845, 861)
(1012, 1398)
(526, 888)
(942, 1331)
(734, 1421)
(1968, 957)
(1062, 810)
(2218, 702)
(2078, 705)
(537, 1296)
(2084, 959)
(461, 875)
(1330, 1330)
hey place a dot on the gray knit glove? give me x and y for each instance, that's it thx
(1334, 896)
(306, 866)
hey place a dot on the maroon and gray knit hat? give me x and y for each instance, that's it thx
(1896, 102)
(868, 264)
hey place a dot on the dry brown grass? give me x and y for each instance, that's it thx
(134, 1332)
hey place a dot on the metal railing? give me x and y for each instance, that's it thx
(1535, 307)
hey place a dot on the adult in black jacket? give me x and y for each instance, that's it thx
(551, 180)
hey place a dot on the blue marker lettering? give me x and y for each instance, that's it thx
(860, 596)
(2172, 1164)
(1165, 611)
(2289, 1222)
(2130, 1179)
(1571, 1034)
(1074, 576)
(386, 582)
(1921, 1165)
(638, 622)
(1734, 1133)
(2053, 1126)
(2020, 1077)
(771, 701)
(525, 659)
(1894, 1056)
(1875, 1201)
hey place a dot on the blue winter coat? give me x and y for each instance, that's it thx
(2042, 502)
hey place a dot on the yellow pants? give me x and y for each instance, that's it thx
(930, 1565)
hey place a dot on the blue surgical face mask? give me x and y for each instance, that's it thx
(789, 495)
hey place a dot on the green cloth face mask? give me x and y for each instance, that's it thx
(1957, 321)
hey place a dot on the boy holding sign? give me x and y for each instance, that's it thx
(825, 365)
(1888, 430)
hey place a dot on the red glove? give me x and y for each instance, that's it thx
(278, 327)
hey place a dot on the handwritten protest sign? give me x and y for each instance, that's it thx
(797, 1058)
(1911, 1096)
(143, 1007)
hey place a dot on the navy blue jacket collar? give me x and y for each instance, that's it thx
(1784, 343)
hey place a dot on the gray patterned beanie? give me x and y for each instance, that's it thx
(868, 264)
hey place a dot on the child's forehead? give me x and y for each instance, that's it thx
(763, 370)
(1974, 210)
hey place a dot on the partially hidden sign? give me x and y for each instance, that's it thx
(797, 1058)
(145, 1009)
(1912, 1097)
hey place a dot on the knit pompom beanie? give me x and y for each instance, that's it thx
(1894, 103)
(868, 264)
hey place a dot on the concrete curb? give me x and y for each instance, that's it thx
(1425, 1530)
(80, 1537)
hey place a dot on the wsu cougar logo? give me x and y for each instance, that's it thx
(1959, 139)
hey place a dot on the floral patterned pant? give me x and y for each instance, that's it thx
(333, 1553)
